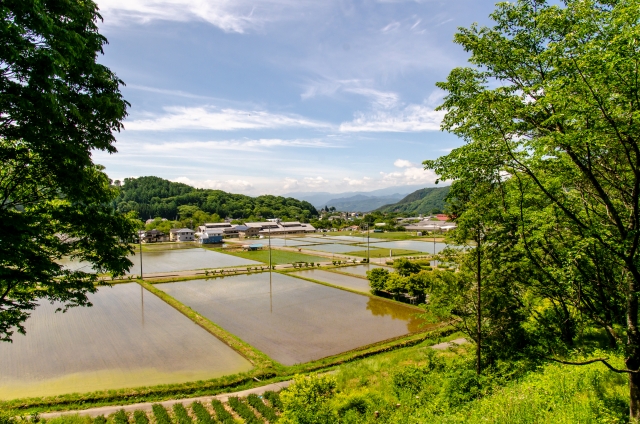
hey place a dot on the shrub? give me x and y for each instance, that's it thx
(202, 415)
(181, 415)
(274, 399)
(244, 411)
(100, 419)
(307, 400)
(160, 414)
(120, 417)
(140, 417)
(222, 414)
(263, 409)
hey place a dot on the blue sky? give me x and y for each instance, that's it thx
(277, 96)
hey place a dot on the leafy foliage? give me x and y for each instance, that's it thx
(201, 413)
(57, 105)
(306, 401)
(274, 399)
(244, 411)
(140, 417)
(154, 197)
(181, 415)
(120, 417)
(160, 414)
(424, 201)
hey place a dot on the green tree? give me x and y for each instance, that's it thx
(57, 105)
(551, 105)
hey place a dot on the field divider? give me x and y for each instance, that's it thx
(251, 354)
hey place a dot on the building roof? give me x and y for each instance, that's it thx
(242, 227)
(182, 230)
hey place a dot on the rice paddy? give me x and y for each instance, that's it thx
(293, 320)
(333, 278)
(418, 246)
(335, 248)
(361, 270)
(129, 338)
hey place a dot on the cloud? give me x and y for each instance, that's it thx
(402, 163)
(307, 183)
(410, 175)
(229, 15)
(327, 87)
(384, 99)
(231, 185)
(210, 118)
(364, 181)
(259, 145)
(412, 118)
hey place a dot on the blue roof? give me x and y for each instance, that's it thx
(256, 246)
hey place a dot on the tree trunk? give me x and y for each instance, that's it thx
(634, 391)
(479, 315)
(632, 360)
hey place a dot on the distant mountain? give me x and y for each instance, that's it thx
(320, 199)
(422, 201)
(362, 203)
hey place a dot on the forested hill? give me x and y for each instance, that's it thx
(156, 197)
(424, 201)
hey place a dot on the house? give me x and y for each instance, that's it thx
(245, 231)
(228, 229)
(214, 235)
(182, 234)
(428, 225)
(279, 228)
(152, 236)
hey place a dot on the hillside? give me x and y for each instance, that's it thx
(156, 197)
(362, 203)
(423, 201)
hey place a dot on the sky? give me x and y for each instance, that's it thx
(281, 96)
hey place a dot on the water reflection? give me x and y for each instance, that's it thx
(381, 307)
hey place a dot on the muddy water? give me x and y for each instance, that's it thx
(296, 320)
(129, 338)
(353, 283)
(174, 260)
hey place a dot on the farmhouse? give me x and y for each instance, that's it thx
(182, 234)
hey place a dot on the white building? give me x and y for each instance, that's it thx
(182, 234)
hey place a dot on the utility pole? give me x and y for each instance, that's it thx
(270, 268)
(140, 242)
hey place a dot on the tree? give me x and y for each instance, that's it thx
(57, 105)
(551, 105)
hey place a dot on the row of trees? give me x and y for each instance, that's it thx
(547, 184)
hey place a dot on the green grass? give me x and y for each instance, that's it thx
(384, 253)
(140, 417)
(277, 256)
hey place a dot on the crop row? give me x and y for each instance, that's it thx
(253, 410)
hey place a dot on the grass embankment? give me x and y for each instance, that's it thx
(278, 257)
(383, 253)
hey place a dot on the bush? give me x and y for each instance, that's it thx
(181, 415)
(202, 415)
(120, 417)
(263, 409)
(140, 417)
(244, 411)
(100, 419)
(160, 414)
(274, 399)
(222, 414)
(306, 401)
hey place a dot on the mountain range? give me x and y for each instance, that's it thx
(360, 201)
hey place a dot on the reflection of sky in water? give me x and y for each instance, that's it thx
(175, 260)
(335, 248)
(281, 241)
(296, 321)
(361, 269)
(419, 246)
(332, 240)
(353, 283)
(119, 342)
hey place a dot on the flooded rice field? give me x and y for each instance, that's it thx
(174, 260)
(340, 280)
(129, 338)
(328, 239)
(418, 246)
(335, 248)
(361, 270)
(353, 239)
(279, 242)
(294, 321)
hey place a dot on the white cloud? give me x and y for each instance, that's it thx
(410, 175)
(384, 99)
(229, 15)
(413, 118)
(326, 87)
(353, 182)
(238, 145)
(402, 163)
(210, 118)
(307, 183)
(231, 185)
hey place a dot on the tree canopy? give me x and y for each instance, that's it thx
(57, 105)
(154, 197)
(549, 115)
